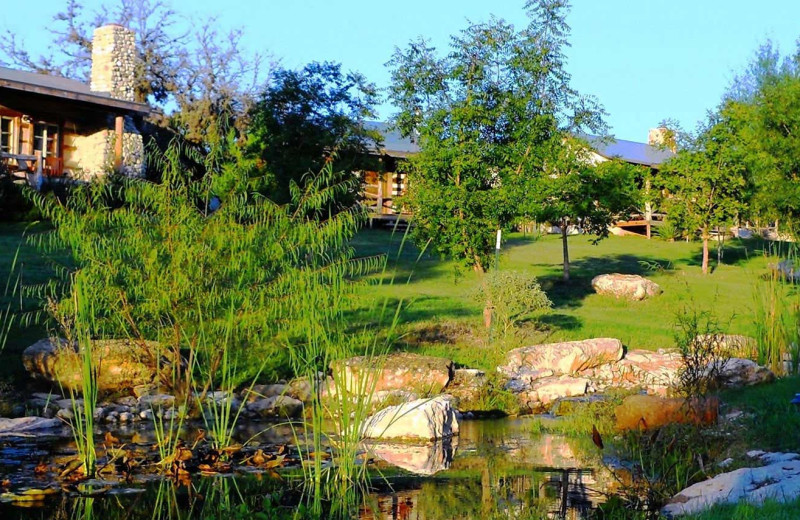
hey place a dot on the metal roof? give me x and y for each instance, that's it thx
(65, 88)
(396, 145)
(628, 151)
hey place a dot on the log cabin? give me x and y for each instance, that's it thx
(55, 127)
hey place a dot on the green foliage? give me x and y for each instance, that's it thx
(158, 262)
(569, 189)
(514, 295)
(306, 115)
(707, 184)
(481, 115)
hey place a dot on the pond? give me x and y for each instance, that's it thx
(498, 467)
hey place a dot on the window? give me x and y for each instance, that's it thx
(45, 139)
(6, 135)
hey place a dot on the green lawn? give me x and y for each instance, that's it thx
(438, 299)
(32, 270)
(441, 315)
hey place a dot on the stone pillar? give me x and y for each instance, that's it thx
(114, 73)
(114, 61)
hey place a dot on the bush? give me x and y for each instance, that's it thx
(513, 295)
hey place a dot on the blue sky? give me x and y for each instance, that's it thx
(646, 60)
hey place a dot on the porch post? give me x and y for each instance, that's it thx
(119, 131)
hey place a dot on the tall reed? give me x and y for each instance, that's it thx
(776, 316)
(82, 422)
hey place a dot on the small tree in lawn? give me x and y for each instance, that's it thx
(707, 184)
(568, 189)
(481, 114)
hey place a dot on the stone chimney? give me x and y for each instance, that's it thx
(114, 61)
(661, 137)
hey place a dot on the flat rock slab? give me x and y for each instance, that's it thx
(625, 286)
(568, 357)
(27, 426)
(779, 480)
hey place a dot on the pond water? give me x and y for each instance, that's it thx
(496, 468)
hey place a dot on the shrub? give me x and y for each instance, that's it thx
(513, 295)
(160, 264)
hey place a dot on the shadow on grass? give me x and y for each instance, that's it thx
(737, 252)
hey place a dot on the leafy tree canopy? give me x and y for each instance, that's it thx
(308, 117)
(481, 114)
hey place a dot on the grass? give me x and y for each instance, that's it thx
(771, 510)
(439, 299)
(33, 272)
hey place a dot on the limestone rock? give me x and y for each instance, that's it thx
(27, 426)
(569, 357)
(779, 480)
(738, 372)
(650, 412)
(422, 419)
(276, 406)
(627, 286)
(156, 401)
(263, 391)
(120, 364)
(424, 375)
(655, 372)
(544, 392)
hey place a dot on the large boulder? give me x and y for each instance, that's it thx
(569, 357)
(627, 286)
(121, 364)
(738, 372)
(422, 419)
(778, 480)
(649, 412)
(423, 375)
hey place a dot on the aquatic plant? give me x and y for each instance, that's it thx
(82, 422)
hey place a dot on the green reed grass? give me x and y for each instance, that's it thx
(776, 316)
(82, 423)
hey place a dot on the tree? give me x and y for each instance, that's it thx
(307, 117)
(707, 184)
(569, 190)
(481, 114)
(202, 79)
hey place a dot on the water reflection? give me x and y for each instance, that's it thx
(495, 469)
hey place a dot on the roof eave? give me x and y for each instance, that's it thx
(94, 99)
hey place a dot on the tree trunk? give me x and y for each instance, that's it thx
(705, 250)
(566, 248)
